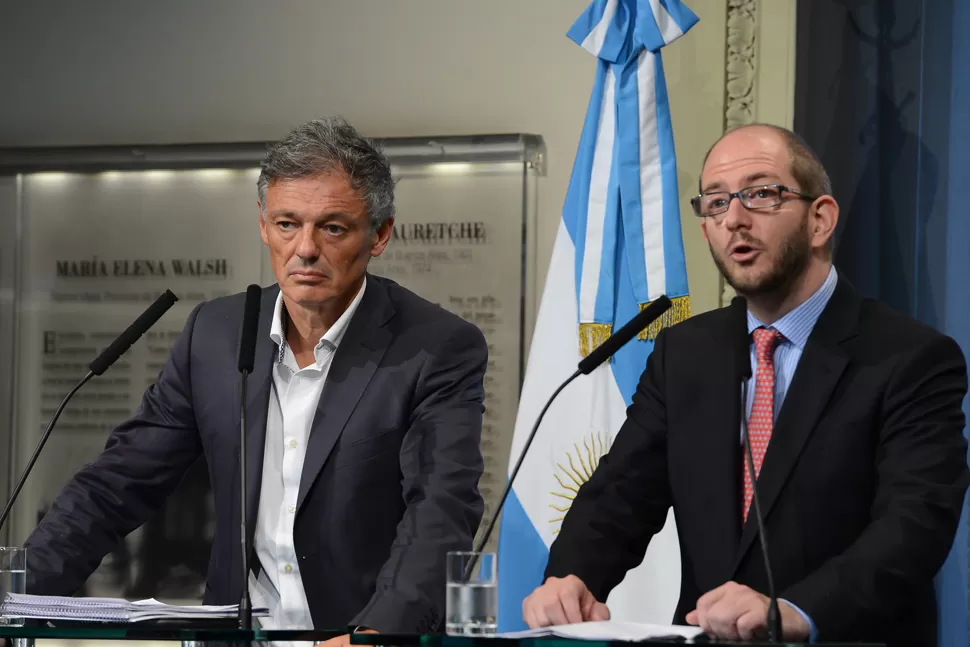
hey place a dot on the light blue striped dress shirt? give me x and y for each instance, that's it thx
(795, 327)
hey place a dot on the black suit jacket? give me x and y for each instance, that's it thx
(389, 483)
(861, 486)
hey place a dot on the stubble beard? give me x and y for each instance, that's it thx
(779, 281)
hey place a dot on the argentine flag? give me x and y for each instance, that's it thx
(618, 248)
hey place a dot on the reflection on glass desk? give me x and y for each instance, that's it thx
(191, 634)
(441, 640)
(90, 634)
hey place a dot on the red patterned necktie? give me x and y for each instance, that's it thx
(762, 418)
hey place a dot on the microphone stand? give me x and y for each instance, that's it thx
(98, 366)
(508, 486)
(40, 448)
(774, 613)
(247, 350)
(245, 603)
(587, 365)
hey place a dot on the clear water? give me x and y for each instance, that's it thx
(471, 609)
(13, 582)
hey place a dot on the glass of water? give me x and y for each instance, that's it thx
(13, 578)
(472, 602)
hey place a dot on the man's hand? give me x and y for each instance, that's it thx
(342, 641)
(562, 601)
(737, 612)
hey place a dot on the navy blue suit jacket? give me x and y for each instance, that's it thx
(389, 483)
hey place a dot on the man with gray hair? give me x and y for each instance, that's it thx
(364, 419)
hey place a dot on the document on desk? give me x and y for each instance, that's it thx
(52, 607)
(610, 630)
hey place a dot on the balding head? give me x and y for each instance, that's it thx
(803, 164)
(773, 244)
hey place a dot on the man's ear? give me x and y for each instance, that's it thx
(824, 218)
(382, 237)
(262, 224)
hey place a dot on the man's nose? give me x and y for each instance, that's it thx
(306, 246)
(737, 215)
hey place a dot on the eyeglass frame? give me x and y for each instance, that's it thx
(695, 201)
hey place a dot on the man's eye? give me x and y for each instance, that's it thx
(284, 225)
(334, 229)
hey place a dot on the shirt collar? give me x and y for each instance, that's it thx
(797, 325)
(332, 337)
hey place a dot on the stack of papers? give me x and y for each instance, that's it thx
(51, 607)
(611, 630)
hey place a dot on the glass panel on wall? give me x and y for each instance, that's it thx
(8, 287)
(458, 241)
(105, 231)
(98, 248)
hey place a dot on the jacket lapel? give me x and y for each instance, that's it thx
(258, 387)
(722, 465)
(354, 364)
(819, 369)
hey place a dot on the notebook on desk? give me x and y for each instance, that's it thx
(115, 610)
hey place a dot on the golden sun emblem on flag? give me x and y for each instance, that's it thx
(578, 468)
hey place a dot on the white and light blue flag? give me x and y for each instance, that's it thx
(619, 247)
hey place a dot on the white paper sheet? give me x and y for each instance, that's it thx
(609, 630)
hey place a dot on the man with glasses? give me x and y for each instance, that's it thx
(854, 415)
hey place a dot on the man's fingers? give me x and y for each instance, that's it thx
(542, 620)
(705, 624)
(737, 612)
(600, 612)
(532, 610)
(571, 607)
(528, 614)
(586, 602)
(556, 612)
(558, 602)
(720, 623)
(692, 618)
(707, 615)
(751, 624)
(713, 596)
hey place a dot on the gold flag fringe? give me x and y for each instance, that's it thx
(678, 311)
(592, 335)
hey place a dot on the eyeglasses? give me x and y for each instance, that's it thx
(752, 197)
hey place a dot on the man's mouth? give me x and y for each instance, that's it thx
(308, 275)
(743, 252)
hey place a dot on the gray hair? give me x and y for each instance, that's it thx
(332, 145)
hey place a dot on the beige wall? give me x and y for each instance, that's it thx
(141, 71)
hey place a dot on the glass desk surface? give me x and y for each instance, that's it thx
(441, 640)
(200, 633)
(164, 631)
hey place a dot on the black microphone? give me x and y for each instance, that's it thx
(247, 340)
(586, 366)
(124, 341)
(247, 357)
(100, 364)
(618, 339)
(743, 357)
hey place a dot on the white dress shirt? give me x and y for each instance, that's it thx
(292, 405)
